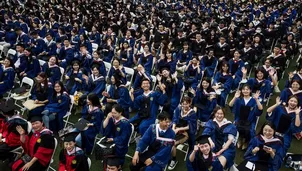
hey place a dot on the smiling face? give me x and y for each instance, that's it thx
(292, 103)
(58, 88)
(260, 75)
(205, 84)
(295, 86)
(268, 132)
(146, 85)
(37, 126)
(69, 146)
(246, 91)
(116, 115)
(205, 148)
(219, 115)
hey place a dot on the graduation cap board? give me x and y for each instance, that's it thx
(81, 125)
(70, 137)
(113, 161)
(8, 107)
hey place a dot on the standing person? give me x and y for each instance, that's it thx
(38, 147)
(72, 158)
(246, 109)
(160, 139)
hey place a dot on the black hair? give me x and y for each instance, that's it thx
(54, 91)
(163, 116)
(94, 99)
(269, 123)
(261, 69)
(118, 108)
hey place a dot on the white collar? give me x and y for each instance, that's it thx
(157, 129)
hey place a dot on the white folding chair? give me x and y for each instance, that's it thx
(41, 62)
(129, 72)
(66, 117)
(51, 161)
(62, 73)
(183, 148)
(26, 95)
(11, 52)
(1, 49)
(153, 81)
(132, 132)
(108, 67)
(89, 162)
(94, 47)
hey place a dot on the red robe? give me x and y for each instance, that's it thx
(9, 132)
(40, 145)
(77, 161)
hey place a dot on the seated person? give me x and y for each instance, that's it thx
(113, 164)
(222, 137)
(117, 130)
(94, 115)
(52, 70)
(72, 158)
(140, 75)
(202, 157)
(40, 93)
(265, 150)
(38, 147)
(96, 82)
(7, 76)
(159, 138)
(74, 78)
(184, 126)
(147, 105)
(56, 108)
(117, 69)
(9, 137)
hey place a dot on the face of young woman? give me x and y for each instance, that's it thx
(225, 68)
(205, 148)
(76, 66)
(115, 114)
(246, 91)
(292, 103)
(116, 63)
(69, 146)
(58, 88)
(113, 80)
(185, 105)
(95, 72)
(236, 55)
(295, 86)
(260, 75)
(219, 115)
(6, 63)
(268, 132)
(205, 84)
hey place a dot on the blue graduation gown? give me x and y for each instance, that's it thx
(60, 106)
(191, 119)
(265, 87)
(184, 57)
(96, 85)
(213, 130)
(50, 49)
(117, 71)
(176, 95)
(11, 37)
(96, 117)
(167, 64)
(73, 85)
(277, 118)
(252, 115)
(297, 76)
(7, 76)
(286, 93)
(24, 39)
(96, 37)
(147, 61)
(162, 157)
(120, 132)
(275, 143)
(235, 69)
(39, 46)
(126, 58)
(40, 95)
(226, 82)
(130, 40)
(208, 65)
(201, 98)
(156, 99)
(66, 54)
(52, 72)
(192, 77)
(33, 69)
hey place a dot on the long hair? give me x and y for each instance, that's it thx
(54, 91)
(94, 99)
(269, 124)
(45, 82)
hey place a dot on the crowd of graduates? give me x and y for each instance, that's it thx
(171, 63)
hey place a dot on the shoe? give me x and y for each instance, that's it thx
(172, 164)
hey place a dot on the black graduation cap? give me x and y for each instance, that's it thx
(70, 136)
(8, 107)
(113, 161)
(36, 118)
(81, 125)
(203, 139)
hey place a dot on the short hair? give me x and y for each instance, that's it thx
(163, 116)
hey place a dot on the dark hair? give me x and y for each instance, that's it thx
(293, 96)
(118, 108)
(162, 116)
(261, 69)
(186, 99)
(297, 81)
(223, 64)
(269, 124)
(115, 58)
(11, 62)
(145, 79)
(94, 99)
(207, 80)
(54, 91)
(44, 76)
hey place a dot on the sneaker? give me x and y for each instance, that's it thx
(172, 165)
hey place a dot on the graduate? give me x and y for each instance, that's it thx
(146, 59)
(202, 157)
(222, 83)
(41, 92)
(74, 78)
(66, 54)
(38, 147)
(184, 124)
(266, 150)
(52, 70)
(10, 138)
(57, 107)
(32, 68)
(126, 55)
(117, 69)
(246, 108)
(208, 64)
(141, 74)
(222, 138)
(96, 82)
(7, 76)
(108, 50)
(72, 157)
(147, 105)
(286, 118)
(294, 89)
(118, 93)
(113, 164)
(37, 44)
(183, 57)
(278, 60)
(94, 115)
(117, 130)
(236, 65)
(192, 73)
(160, 139)
(49, 49)
(205, 100)
(167, 61)
(296, 76)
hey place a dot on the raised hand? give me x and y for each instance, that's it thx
(238, 93)
(244, 70)
(257, 94)
(278, 100)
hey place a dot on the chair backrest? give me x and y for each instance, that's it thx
(71, 103)
(29, 127)
(132, 131)
(62, 73)
(28, 81)
(1, 48)
(129, 71)
(94, 46)
(54, 150)
(107, 66)
(153, 81)
(41, 62)
(89, 162)
(11, 52)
